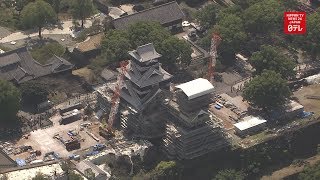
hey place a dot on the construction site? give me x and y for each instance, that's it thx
(145, 105)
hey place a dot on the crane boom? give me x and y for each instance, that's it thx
(115, 100)
(215, 41)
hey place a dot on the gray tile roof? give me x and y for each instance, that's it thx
(10, 59)
(5, 160)
(26, 68)
(163, 14)
(145, 53)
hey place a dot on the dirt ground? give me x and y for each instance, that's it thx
(224, 114)
(229, 79)
(311, 105)
(43, 140)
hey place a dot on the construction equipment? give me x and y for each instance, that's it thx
(115, 100)
(215, 41)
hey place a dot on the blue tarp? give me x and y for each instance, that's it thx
(305, 114)
(21, 162)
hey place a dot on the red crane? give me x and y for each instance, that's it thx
(115, 100)
(215, 41)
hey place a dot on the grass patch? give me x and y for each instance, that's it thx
(43, 53)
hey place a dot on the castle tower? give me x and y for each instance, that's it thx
(141, 93)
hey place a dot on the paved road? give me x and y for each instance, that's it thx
(63, 29)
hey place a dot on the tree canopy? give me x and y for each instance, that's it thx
(310, 173)
(267, 90)
(41, 176)
(229, 174)
(175, 50)
(207, 16)
(271, 58)
(55, 4)
(231, 30)
(82, 9)
(9, 102)
(39, 14)
(310, 42)
(145, 32)
(116, 44)
(165, 170)
(263, 17)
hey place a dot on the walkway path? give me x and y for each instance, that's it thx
(64, 29)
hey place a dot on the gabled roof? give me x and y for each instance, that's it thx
(24, 68)
(145, 53)
(163, 14)
(196, 88)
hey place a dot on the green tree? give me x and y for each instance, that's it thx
(20, 4)
(9, 102)
(40, 176)
(33, 93)
(172, 49)
(231, 29)
(55, 4)
(107, 23)
(230, 174)
(82, 9)
(74, 176)
(245, 3)
(267, 91)
(271, 58)
(146, 32)
(207, 16)
(175, 51)
(263, 17)
(310, 42)
(166, 170)
(290, 4)
(39, 14)
(115, 46)
(310, 173)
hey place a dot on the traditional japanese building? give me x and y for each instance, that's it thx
(142, 93)
(141, 113)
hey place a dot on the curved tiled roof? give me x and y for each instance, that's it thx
(19, 65)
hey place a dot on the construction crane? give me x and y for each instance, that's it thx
(215, 41)
(115, 100)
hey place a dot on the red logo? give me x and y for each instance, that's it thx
(295, 23)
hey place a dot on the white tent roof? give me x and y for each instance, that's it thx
(249, 122)
(196, 88)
